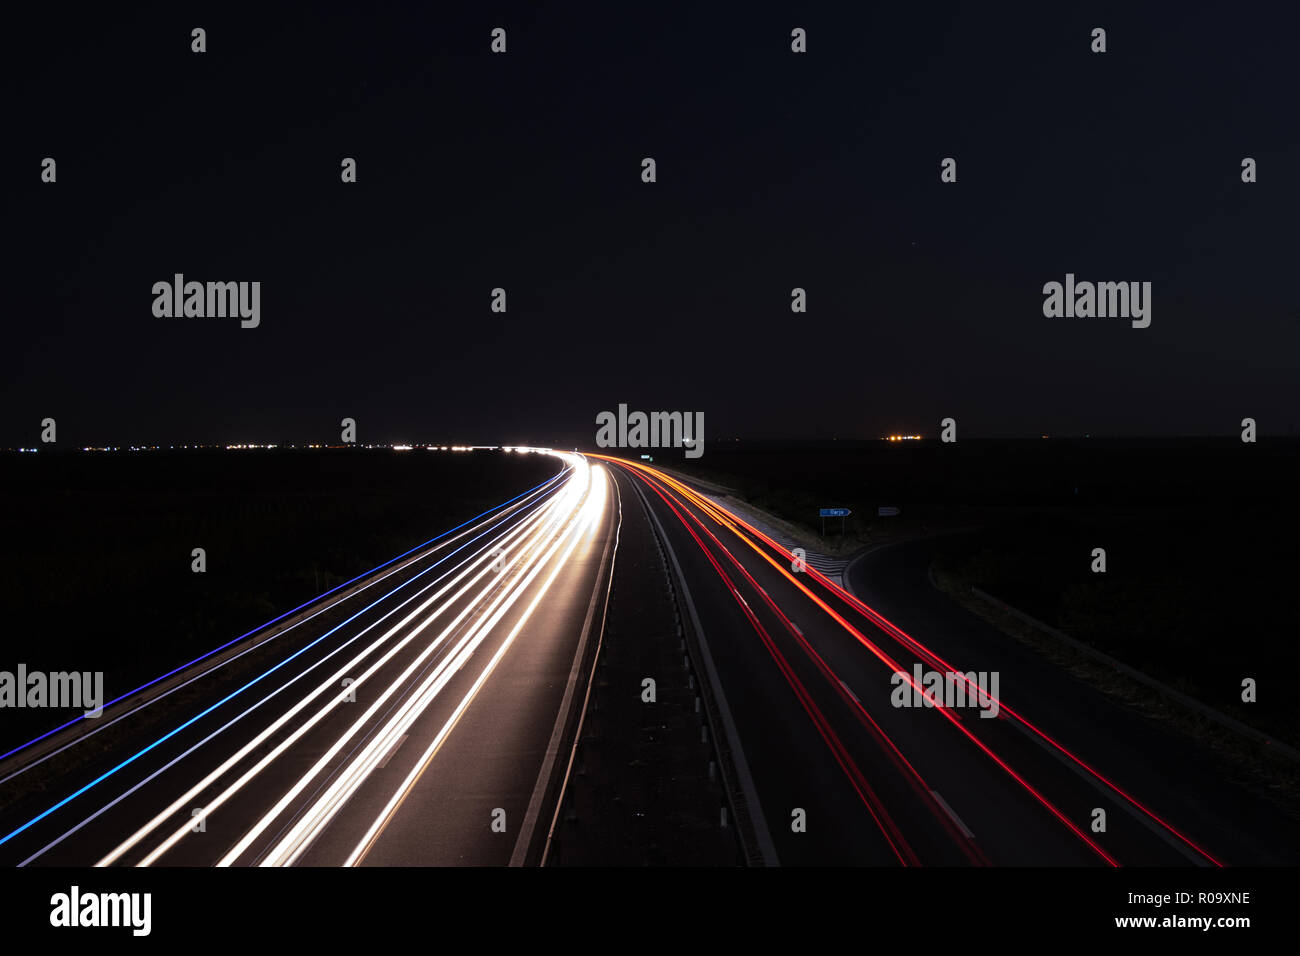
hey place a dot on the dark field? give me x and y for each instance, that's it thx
(1200, 539)
(96, 574)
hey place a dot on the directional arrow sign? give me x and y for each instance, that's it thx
(835, 512)
(886, 511)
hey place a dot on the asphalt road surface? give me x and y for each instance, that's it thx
(419, 717)
(850, 762)
(424, 716)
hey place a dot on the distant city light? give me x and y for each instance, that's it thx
(253, 446)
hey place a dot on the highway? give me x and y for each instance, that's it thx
(419, 717)
(841, 774)
(425, 715)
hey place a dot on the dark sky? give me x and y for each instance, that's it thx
(775, 170)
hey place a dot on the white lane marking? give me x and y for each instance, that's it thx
(767, 849)
(330, 684)
(590, 508)
(526, 832)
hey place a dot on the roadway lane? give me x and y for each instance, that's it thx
(809, 672)
(292, 744)
(484, 797)
(1171, 768)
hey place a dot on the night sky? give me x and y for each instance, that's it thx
(775, 170)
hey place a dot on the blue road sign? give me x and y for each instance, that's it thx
(886, 511)
(835, 513)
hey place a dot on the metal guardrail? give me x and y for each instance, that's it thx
(751, 834)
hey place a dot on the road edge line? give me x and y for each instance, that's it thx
(528, 830)
(761, 846)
